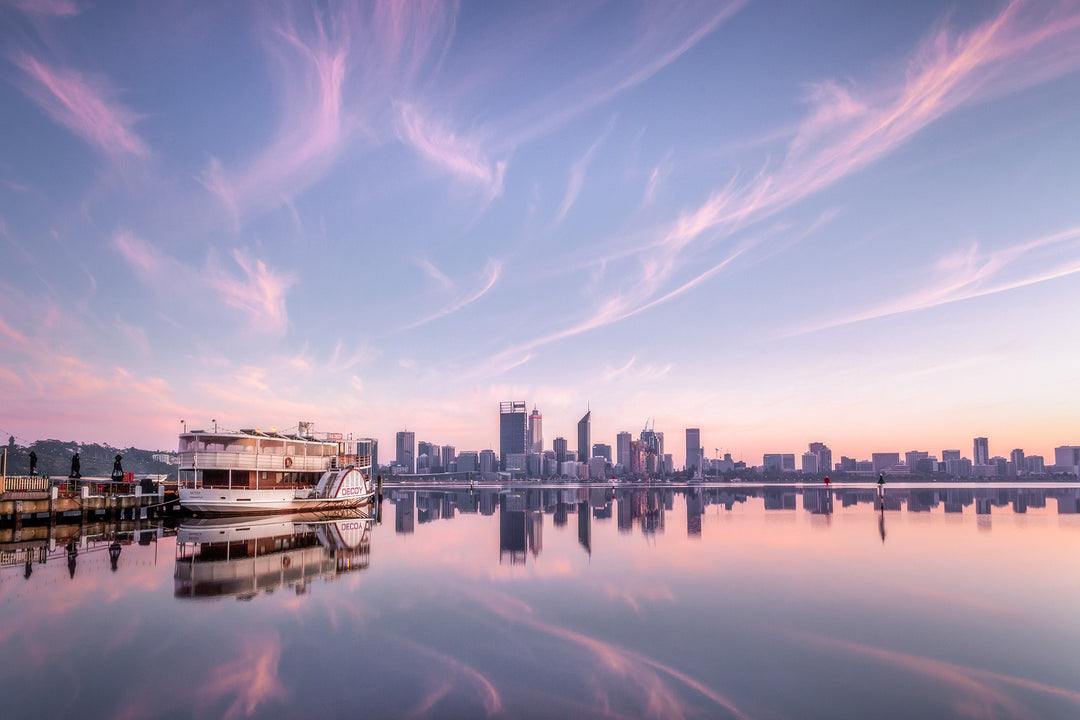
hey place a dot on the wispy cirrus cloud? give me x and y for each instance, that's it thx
(460, 156)
(51, 8)
(487, 280)
(83, 105)
(844, 131)
(333, 69)
(657, 36)
(258, 291)
(972, 272)
(577, 176)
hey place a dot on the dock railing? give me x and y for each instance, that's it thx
(28, 483)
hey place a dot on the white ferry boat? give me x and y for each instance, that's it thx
(251, 471)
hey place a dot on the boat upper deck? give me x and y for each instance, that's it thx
(256, 450)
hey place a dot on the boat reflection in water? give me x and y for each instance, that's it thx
(246, 556)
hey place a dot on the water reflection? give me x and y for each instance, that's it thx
(248, 556)
(521, 510)
(530, 601)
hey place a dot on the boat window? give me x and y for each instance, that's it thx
(187, 444)
(240, 445)
(294, 448)
(211, 444)
(273, 447)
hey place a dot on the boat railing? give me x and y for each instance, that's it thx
(206, 459)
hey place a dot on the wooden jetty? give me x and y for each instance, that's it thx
(84, 500)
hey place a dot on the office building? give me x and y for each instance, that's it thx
(513, 428)
(622, 450)
(602, 450)
(982, 452)
(406, 451)
(584, 436)
(695, 454)
(559, 446)
(536, 432)
(824, 456)
(884, 461)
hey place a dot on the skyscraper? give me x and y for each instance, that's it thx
(406, 450)
(584, 437)
(824, 456)
(536, 432)
(513, 427)
(622, 450)
(694, 453)
(982, 451)
(559, 446)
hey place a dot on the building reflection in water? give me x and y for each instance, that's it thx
(243, 557)
(643, 508)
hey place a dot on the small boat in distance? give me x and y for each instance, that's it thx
(251, 471)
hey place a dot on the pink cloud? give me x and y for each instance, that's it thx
(259, 292)
(459, 156)
(53, 8)
(83, 107)
(971, 273)
(334, 71)
(844, 132)
(490, 276)
(147, 261)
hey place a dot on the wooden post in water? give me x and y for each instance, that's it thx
(378, 502)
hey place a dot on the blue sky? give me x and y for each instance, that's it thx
(778, 222)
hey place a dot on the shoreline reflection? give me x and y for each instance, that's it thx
(521, 509)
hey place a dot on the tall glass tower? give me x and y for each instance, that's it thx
(584, 437)
(513, 427)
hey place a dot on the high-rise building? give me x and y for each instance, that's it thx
(947, 455)
(559, 446)
(406, 450)
(468, 461)
(622, 450)
(652, 445)
(1067, 459)
(810, 463)
(489, 462)
(513, 427)
(982, 451)
(824, 456)
(601, 450)
(584, 436)
(536, 432)
(449, 455)
(1017, 458)
(694, 452)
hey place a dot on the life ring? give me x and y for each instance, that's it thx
(288, 462)
(285, 562)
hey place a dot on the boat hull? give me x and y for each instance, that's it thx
(221, 501)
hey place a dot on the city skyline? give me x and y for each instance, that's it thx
(693, 214)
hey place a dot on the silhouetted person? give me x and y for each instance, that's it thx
(114, 552)
(29, 568)
(75, 466)
(117, 471)
(33, 463)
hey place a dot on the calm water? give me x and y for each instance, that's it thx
(758, 602)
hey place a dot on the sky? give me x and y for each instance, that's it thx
(847, 222)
